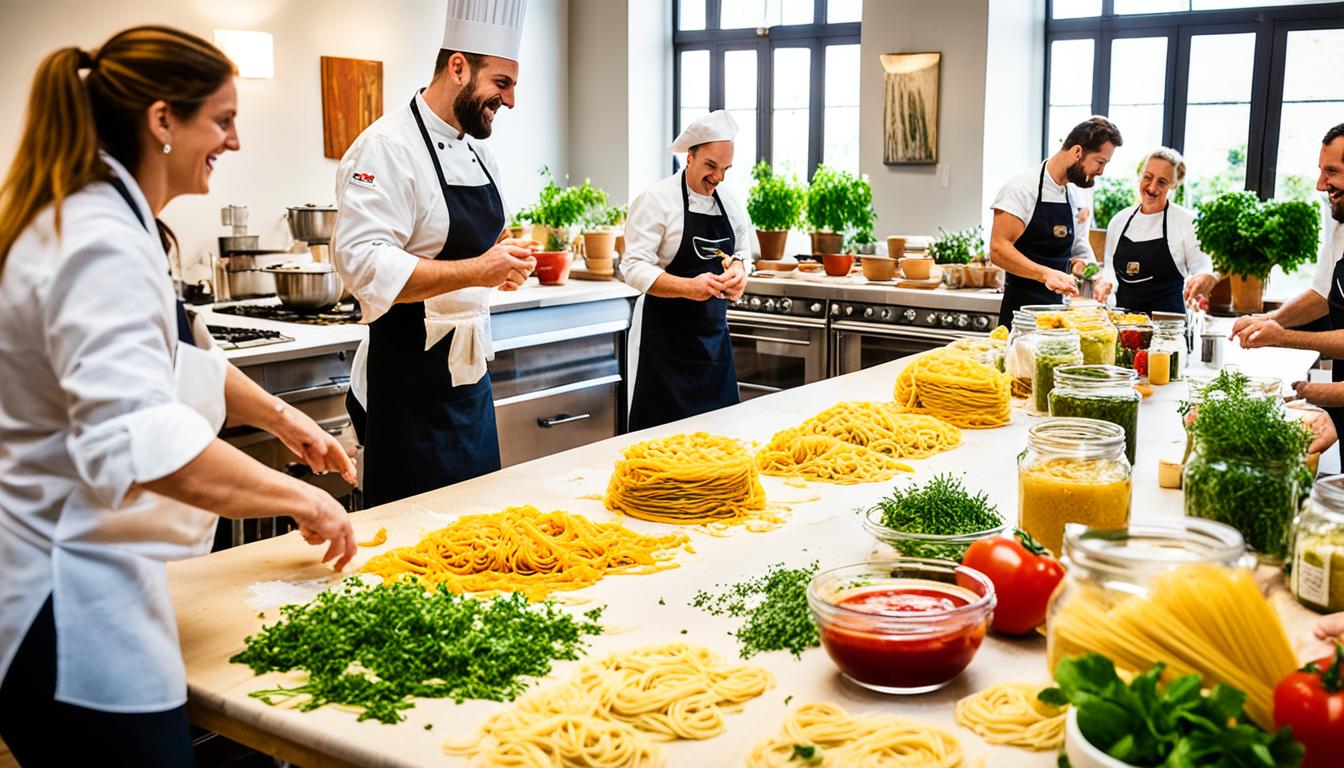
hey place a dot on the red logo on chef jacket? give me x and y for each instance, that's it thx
(364, 178)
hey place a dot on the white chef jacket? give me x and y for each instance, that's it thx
(1332, 250)
(1185, 251)
(391, 212)
(96, 394)
(1018, 197)
(654, 224)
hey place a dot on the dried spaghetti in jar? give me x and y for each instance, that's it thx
(1073, 471)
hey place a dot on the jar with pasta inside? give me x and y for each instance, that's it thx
(1316, 578)
(1072, 471)
(1104, 392)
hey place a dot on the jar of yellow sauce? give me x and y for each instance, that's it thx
(1072, 471)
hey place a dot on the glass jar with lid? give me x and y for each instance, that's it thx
(1105, 568)
(1021, 339)
(1317, 574)
(1131, 339)
(1072, 471)
(1052, 349)
(1095, 329)
(1104, 392)
(1168, 351)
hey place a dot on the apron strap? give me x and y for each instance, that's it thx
(184, 333)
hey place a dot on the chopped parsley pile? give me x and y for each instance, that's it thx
(775, 608)
(940, 507)
(374, 647)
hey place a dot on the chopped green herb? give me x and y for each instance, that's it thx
(775, 608)
(940, 507)
(787, 699)
(376, 646)
(808, 753)
(660, 601)
(429, 726)
(683, 631)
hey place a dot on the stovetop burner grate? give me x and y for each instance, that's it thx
(232, 337)
(344, 313)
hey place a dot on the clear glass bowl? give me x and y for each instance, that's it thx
(889, 543)
(908, 625)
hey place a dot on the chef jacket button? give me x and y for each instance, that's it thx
(440, 145)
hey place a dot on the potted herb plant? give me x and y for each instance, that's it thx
(1111, 196)
(599, 238)
(838, 204)
(1246, 238)
(556, 211)
(775, 205)
(958, 250)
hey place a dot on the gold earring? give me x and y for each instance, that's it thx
(167, 148)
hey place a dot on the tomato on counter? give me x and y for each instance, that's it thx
(1311, 700)
(1024, 576)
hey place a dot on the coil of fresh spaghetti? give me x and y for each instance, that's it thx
(687, 479)
(882, 427)
(826, 735)
(790, 453)
(1196, 619)
(1010, 714)
(612, 710)
(522, 549)
(952, 385)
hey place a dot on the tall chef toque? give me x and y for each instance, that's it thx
(715, 126)
(487, 27)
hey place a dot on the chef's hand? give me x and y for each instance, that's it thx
(1241, 322)
(1318, 421)
(704, 286)
(326, 521)
(1101, 290)
(1260, 332)
(1330, 628)
(1060, 283)
(315, 446)
(507, 264)
(734, 280)
(1198, 285)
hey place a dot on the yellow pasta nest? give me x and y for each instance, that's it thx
(1010, 713)
(522, 549)
(883, 428)
(839, 739)
(790, 453)
(950, 384)
(610, 713)
(687, 479)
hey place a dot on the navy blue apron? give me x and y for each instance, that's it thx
(422, 432)
(685, 353)
(1146, 274)
(183, 322)
(1046, 240)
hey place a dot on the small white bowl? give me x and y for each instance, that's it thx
(1081, 752)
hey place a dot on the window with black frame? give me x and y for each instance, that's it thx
(787, 70)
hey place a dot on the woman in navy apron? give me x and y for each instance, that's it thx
(1046, 240)
(685, 353)
(1147, 278)
(423, 432)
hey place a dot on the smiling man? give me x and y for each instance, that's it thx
(418, 242)
(687, 250)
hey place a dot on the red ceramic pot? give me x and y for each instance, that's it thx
(837, 265)
(553, 267)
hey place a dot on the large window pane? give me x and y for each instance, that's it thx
(690, 14)
(1070, 98)
(840, 11)
(1207, 5)
(694, 96)
(739, 98)
(1075, 9)
(739, 14)
(1151, 6)
(841, 121)
(1217, 114)
(1138, 92)
(792, 90)
(1313, 101)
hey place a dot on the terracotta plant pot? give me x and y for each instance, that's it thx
(517, 232)
(1097, 239)
(895, 247)
(772, 243)
(599, 244)
(620, 244)
(836, 264)
(917, 267)
(600, 266)
(827, 242)
(553, 267)
(1220, 298)
(1248, 294)
(878, 268)
(975, 276)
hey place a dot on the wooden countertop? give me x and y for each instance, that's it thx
(211, 594)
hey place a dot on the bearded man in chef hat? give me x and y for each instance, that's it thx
(688, 249)
(419, 241)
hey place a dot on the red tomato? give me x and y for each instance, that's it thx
(1141, 362)
(1311, 700)
(1024, 576)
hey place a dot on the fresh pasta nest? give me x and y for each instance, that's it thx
(882, 427)
(1011, 714)
(953, 385)
(522, 549)
(833, 738)
(687, 479)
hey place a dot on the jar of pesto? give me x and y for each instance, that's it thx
(1104, 392)
(1317, 576)
(1052, 349)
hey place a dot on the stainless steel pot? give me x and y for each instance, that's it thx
(312, 223)
(307, 287)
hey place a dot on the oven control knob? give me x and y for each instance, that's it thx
(784, 305)
(849, 310)
(886, 314)
(931, 319)
(963, 321)
(755, 302)
(769, 305)
(835, 310)
(869, 312)
(980, 323)
(814, 308)
(947, 319)
(909, 315)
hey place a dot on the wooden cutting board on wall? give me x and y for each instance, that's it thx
(352, 98)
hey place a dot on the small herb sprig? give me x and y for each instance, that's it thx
(775, 608)
(374, 647)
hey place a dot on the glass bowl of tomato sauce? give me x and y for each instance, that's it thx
(906, 625)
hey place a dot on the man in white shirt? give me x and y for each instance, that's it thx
(418, 241)
(1034, 220)
(687, 249)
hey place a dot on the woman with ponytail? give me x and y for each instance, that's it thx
(109, 460)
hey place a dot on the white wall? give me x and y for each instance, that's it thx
(1014, 94)
(280, 120)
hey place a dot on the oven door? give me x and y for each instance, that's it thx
(857, 346)
(776, 353)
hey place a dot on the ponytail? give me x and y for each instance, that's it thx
(58, 150)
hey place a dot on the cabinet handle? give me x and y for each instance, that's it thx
(546, 422)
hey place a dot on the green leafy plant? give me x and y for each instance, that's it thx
(775, 608)
(940, 507)
(775, 203)
(1110, 196)
(608, 216)
(958, 247)
(1178, 725)
(1245, 236)
(560, 207)
(839, 201)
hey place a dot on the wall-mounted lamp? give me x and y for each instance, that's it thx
(252, 52)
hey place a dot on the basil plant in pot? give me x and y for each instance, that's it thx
(775, 205)
(1246, 238)
(558, 209)
(838, 204)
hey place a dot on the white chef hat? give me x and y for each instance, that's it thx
(715, 126)
(487, 27)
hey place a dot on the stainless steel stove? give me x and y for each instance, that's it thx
(232, 337)
(345, 312)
